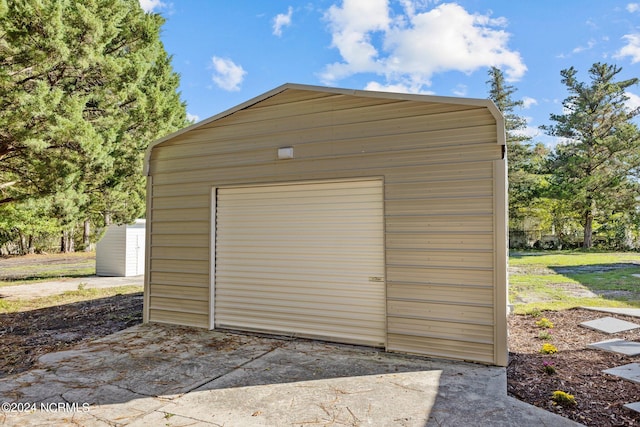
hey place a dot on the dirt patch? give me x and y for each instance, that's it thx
(578, 371)
(27, 335)
(538, 271)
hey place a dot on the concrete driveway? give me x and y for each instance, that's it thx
(152, 375)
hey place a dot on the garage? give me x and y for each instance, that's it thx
(350, 216)
(304, 259)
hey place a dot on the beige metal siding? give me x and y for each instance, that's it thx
(443, 212)
(178, 266)
(302, 259)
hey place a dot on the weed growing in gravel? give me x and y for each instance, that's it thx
(544, 323)
(548, 349)
(545, 335)
(562, 398)
(548, 367)
(533, 312)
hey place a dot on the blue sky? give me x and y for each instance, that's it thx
(227, 52)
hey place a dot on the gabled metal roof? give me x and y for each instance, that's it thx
(487, 103)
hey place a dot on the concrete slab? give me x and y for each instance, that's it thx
(626, 311)
(635, 406)
(628, 348)
(176, 376)
(609, 325)
(629, 372)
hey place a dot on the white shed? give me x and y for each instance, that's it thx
(120, 252)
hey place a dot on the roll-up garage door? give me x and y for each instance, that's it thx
(304, 259)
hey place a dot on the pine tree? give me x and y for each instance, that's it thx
(84, 87)
(597, 165)
(524, 160)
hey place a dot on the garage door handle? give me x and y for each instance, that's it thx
(376, 279)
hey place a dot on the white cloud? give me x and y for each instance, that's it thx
(460, 90)
(590, 44)
(227, 74)
(412, 46)
(633, 7)
(281, 20)
(193, 118)
(529, 130)
(632, 48)
(352, 27)
(398, 88)
(151, 5)
(527, 102)
(633, 102)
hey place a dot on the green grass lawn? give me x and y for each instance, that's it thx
(68, 297)
(561, 280)
(41, 268)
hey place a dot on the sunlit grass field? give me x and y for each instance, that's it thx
(561, 280)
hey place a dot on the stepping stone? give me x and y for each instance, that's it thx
(628, 348)
(635, 406)
(609, 325)
(629, 372)
(636, 275)
(628, 311)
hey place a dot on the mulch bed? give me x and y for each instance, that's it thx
(599, 397)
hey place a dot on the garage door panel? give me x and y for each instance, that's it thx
(257, 285)
(304, 259)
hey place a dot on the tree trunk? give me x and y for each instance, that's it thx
(30, 248)
(23, 250)
(588, 226)
(66, 242)
(86, 236)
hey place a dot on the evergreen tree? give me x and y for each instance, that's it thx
(524, 160)
(84, 87)
(597, 165)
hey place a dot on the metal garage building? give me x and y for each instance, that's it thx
(352, 216)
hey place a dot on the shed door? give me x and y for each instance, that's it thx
(305, 259)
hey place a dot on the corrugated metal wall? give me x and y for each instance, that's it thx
(438, 162)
